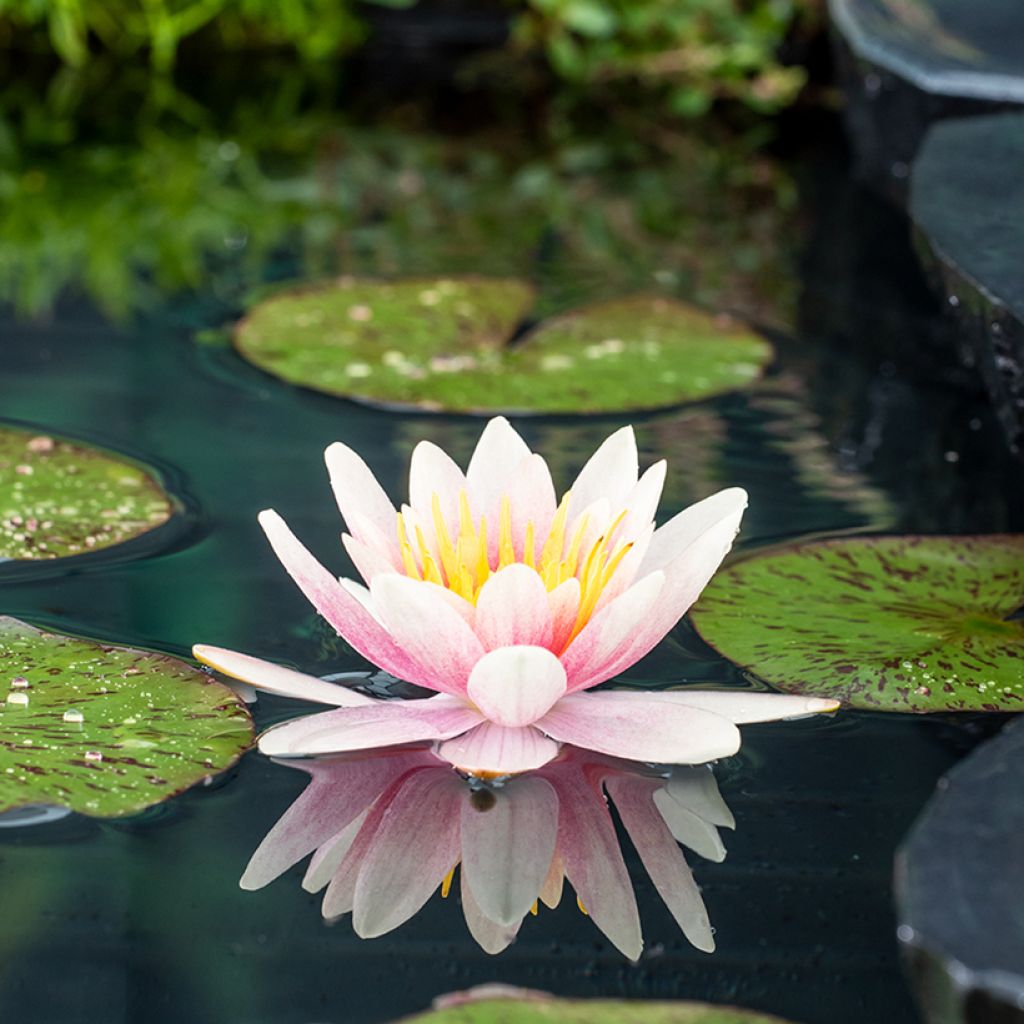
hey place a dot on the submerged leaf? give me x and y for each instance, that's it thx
(445, 344)
(59, 497)
(107, 730)
(887, 623)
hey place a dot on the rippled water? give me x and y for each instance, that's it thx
(142, 919)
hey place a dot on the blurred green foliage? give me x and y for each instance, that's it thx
(688, 52)
(187, 201)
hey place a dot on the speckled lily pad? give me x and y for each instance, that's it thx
(58, 497)
(540, 1009)
(890, 623)
(445, 345)
(107, 730)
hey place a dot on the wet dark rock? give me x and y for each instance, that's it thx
(966, 198)
(958, 890)
(904, 66)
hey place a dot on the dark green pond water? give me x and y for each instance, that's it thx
(142, 920)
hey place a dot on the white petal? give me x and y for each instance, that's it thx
(672, 539)
(499, 749)
(611, 472)
(688, 829)
(513, 608)
(499, 449)
(696, 789)
(490, 937)
(431, 472)
(516, 685)
(356, 491)
(328, 857)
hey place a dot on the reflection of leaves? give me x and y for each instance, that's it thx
(443, 344)
(888, 623)
(58, 498)
(108, 730)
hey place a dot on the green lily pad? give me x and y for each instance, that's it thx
(58, 497)
(542, 1009)
(444, 344)
(107, 730)
(887, 623)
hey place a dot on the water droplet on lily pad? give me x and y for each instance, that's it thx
(886, 623)
(61, 497)
(104, 742)
(446, 344)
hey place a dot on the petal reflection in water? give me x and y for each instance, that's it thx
(387, 828)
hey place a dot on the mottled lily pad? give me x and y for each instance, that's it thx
(890, 623)
(539, 1008)
(107, 730)
(445, 345)
(58, 497)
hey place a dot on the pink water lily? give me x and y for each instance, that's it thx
(510, 605)
(386, 830)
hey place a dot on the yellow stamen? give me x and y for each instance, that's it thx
(446, 884)
(408, 558)
(506, 552)
(534, 909)
(583, 909)
(528, 545)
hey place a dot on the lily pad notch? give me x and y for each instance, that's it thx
(106, 730)
(451, 344)
(60, 497)
(918, 624)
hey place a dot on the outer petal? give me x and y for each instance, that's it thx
(265, 675)
(339, 608)
(739, 706)
(661, 857)
(593, 862)
(356, 491)
(415, 846)
(693, 523)
(696, 789)
(386, 723)
(490, 937)
(329, 856)
(499, 447)
(513, 608)
(640, 729)
(431, 472)
(508, 840)
(588, 658)
(642, 502)
(611, 472)
(499, 749)
(515, 686)
(433, 634)
(338, 792)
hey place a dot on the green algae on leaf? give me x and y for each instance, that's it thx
(445, 344)
(59, 497)
(107, 730)
(539, 1009)
(916, 624)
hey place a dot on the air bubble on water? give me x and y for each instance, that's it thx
(71, 715)
(93, 755)
(18, 698)
(20, 683)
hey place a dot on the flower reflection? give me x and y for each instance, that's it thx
(509, 605)
(387, 829)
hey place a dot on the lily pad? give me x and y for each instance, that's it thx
(107, 730)
(958, 889)
(444, 344)
(887, 623)
(539, 1008)
(59, 497)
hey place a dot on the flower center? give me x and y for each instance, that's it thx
(463, 563)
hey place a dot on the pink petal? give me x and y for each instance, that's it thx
(564, 602)
(498, 749)
(661, 857)
(508, 840)
(693, 523)
(593, 862)
(610, 473)
(640, 729)
(357, 492)
(339, 608)
(531, 495)
(431, 472)
(696, 789)
(738, 706)
(689, 829)
(516, 685)
(328, 857)
(369, 561)
(609, 632)
(431, 633)
(551, 891)
(512, 608)
(386, 723)
(265, 675)
(338, 792)
(415, 846)
(490, 937)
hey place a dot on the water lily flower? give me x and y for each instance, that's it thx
(510, 605)
(387, 829)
